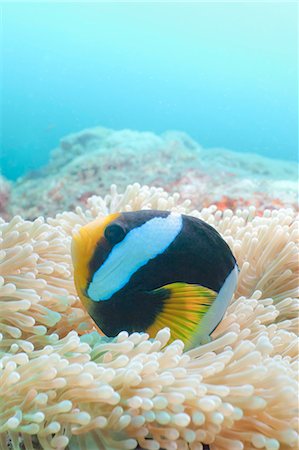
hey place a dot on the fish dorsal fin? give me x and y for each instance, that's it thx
(183, 310)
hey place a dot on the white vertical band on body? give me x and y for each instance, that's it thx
(138, 247)
(217, 310)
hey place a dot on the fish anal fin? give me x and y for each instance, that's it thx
(184, 307)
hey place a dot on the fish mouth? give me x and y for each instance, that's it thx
(79, 236)
(75, 244)
(80, 246)
(76, 234)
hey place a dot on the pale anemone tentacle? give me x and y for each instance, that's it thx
(59, 389)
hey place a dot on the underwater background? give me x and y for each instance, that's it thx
(225, 74)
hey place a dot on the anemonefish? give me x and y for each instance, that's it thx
(145, 270)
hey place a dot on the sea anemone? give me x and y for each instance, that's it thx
(63, 385)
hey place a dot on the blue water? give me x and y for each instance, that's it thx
(226, 73)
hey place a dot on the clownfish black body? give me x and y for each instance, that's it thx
(144, 270)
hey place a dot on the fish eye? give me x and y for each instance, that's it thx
(114, 233)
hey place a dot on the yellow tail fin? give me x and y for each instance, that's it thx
(183, 310)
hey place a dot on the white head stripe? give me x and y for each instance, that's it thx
(137, 248)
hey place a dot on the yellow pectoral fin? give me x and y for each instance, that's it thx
(183, 310)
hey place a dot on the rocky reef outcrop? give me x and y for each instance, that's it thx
(88, 162)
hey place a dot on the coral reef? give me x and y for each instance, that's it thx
(86, 163)
(5, 187)
(65, 386)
